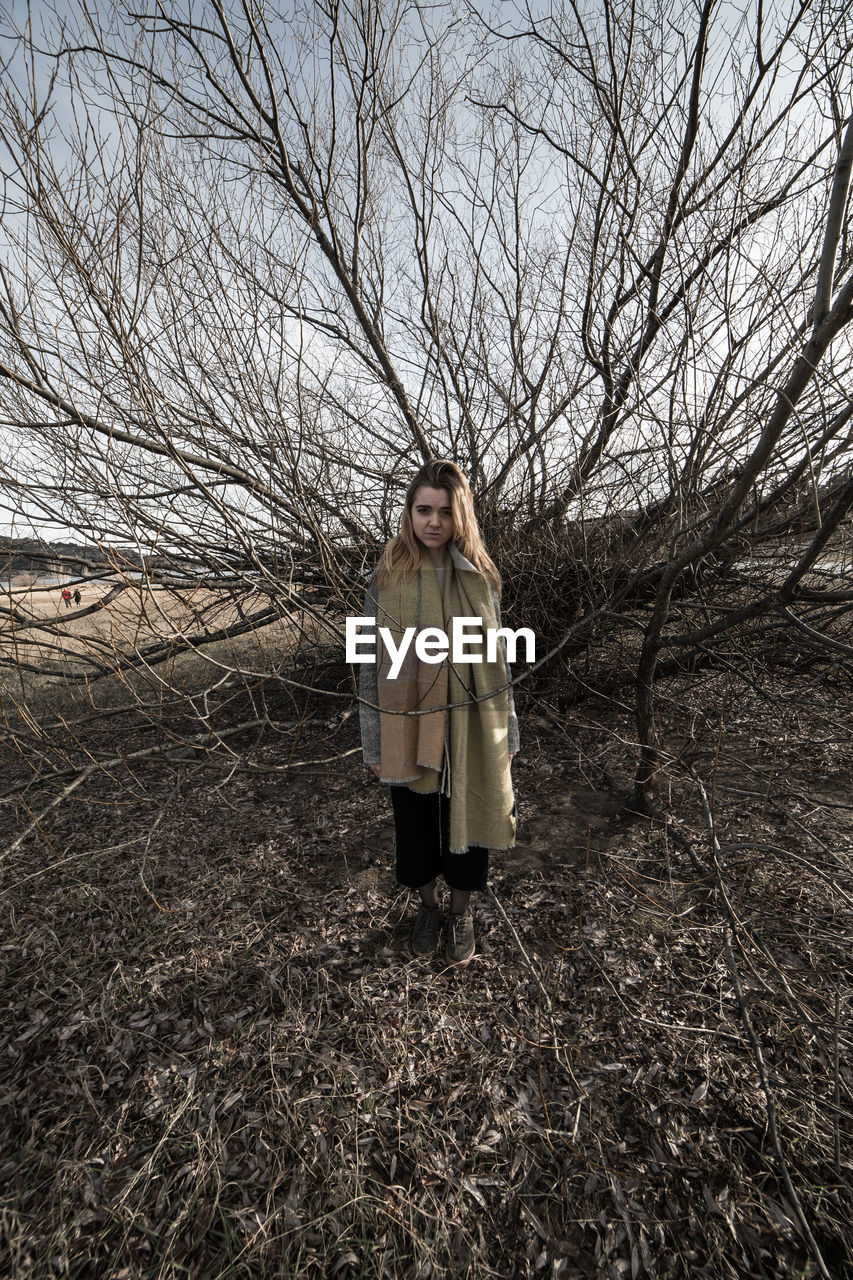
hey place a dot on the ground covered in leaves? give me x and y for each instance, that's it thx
(218, 1059)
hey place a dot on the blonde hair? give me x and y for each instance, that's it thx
(404, 551)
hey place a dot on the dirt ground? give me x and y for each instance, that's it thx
(118, 609)
(54, 649)
(220, 1059)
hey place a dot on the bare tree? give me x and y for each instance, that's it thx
(259, 263)
(704, 377)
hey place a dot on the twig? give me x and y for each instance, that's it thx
(525, 957)
(36, 822)
(771, 1106)
(72, 857)
(729, 931)
(836, 1133)
(558, 1043)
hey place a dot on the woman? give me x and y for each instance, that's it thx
(442, 732)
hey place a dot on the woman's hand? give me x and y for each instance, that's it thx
(512, 756)
(377, 769)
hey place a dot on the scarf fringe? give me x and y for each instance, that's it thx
(495, 848)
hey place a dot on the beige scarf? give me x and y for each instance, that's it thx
(467, 757)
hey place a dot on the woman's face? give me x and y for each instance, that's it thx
(432, 517)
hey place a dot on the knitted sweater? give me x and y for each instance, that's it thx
(368, 684)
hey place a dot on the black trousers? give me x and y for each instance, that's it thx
(422, 824)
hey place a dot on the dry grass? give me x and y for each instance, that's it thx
(78, 658)
(220, 1061)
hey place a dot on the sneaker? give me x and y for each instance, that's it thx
(425, 931)
(460, 938)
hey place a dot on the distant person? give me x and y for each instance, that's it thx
(449, 770)
(66, 596)
(77, 596)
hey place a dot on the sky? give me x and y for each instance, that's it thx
(729, 17)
